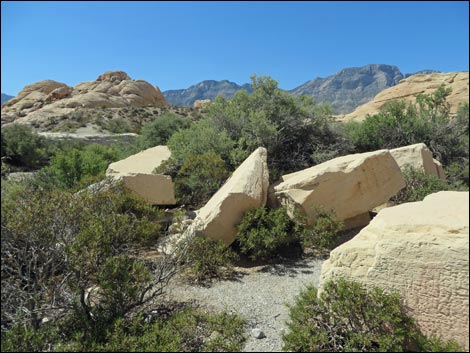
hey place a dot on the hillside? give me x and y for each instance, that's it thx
(410, 87)
(350, 87)
(5, 98)
(42, 102)
(208, 89)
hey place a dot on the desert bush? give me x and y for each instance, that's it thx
(347, 317)
(56, 246)
(186, 330)
(74, 168)
(265, 233)
(418, 186)
(205, 259)
(324, 234)
(199, 178)
(201, 138)
(428, 120)
(291, 128)
(20, 146)
(158, 132)
(118, 126)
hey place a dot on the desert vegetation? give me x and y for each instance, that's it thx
(72, 276)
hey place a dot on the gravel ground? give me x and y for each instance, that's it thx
(259, 294)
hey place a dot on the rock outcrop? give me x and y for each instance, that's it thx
(410, 87)
(136, 172)
(202, 103)
(245, 190)
(350, 185)
(46, 99)
(420, 157)
(421, 250)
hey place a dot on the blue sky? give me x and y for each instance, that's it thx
(177, 44)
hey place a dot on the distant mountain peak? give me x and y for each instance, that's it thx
(350, 87)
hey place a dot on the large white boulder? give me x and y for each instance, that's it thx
(245, 190)
(351, 185)
(137, 174)
(420, 157)
(421, 250)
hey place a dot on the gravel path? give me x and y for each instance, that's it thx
(259, 294)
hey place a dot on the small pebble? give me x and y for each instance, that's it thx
(257, 333)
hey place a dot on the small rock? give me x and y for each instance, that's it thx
(257, 333)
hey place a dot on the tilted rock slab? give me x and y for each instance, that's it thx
(351, 185)
(421, 250)
(245, 190)
(136, 173)
(420, 157)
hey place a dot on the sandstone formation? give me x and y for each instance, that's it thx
(421, 250)
(245, 190)
(201, 103)
(410, 87)
(46, 99)
(350, 185)
(420, 157)
(136, 172)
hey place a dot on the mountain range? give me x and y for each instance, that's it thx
(344, 90)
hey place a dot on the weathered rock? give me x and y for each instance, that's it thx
(136, 172)
(202, 103)
(46, 99)
(245, 190)
(350, 185)
(257, 333)
(410, 87)
(421, 250)
(420, 157)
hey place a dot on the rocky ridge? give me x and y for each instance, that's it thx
(47, 99)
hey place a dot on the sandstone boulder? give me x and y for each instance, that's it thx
(136, 172)
(40, 101)
(350, 185)
(421, 250)
(245, 190)
(420, 157)
(202, 103)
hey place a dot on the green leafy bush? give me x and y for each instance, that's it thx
(264, 233)
(160, 130)
(20, 146)
(291, 128)
(418, 186)
(76, 168)
(199, 178)
(428, 121)
(201, 138)
(187, 330)
(56, 246)
(348, 318)
(205, 259)
(324, 234)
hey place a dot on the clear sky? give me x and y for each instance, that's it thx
(177, 44)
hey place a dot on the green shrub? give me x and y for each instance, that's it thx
(118, 126)
(160, 130)
(60, 245)
(264, 233)
(418, 186)
(199, 178)
(187, 330)
(20, 146)
(348, 318)
(76, 168)
(324, 234)
(205, 259)
(290, 128)
(201, 138)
